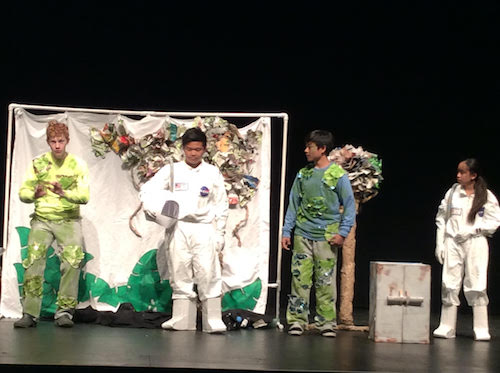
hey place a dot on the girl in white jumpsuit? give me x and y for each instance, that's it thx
(198, 236)
(467, 215)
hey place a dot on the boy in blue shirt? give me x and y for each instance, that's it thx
(320, 227)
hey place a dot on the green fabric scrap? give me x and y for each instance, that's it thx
(23, 233)
(315, 206)
(332, 175)
(331, 230)
(49, 299)
(67, 181)
(110, 296)
(33, 286)
(36, 251)
(99, 146)
(90, 285)
(173, 132)
(302, 268)
(145, 290)
(325, 312)
(297, 305)
(301, 217)
(73, 254)
(41, 166)
(164, 300)
(66, 303)
(324, 271)
(376, 163)
(305, 173)
(20, 273)
(245, 298)
(146, 263)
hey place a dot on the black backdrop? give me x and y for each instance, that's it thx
(416, 84)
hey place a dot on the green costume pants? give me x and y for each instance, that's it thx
(318, 259)
(69, 237)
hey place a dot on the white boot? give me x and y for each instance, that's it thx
(212, 316)
(480, 320)
(448, 322)
(183, 315)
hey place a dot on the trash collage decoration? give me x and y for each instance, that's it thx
(364, 170)
(137, 276)
(227, 149)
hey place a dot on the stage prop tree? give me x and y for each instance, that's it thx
(365, 173)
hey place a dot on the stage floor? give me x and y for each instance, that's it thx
(90, 347)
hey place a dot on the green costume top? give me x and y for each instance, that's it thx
(315, 200)
(72, 174)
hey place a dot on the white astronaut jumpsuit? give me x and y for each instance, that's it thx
(462, 248)
(197, 239)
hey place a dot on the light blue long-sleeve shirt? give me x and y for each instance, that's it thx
(314, 205)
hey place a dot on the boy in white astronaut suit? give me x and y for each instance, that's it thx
(467, 215)
(198, 235)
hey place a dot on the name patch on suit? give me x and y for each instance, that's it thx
(181, 186)
(456, 211)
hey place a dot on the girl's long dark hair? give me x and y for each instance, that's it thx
(480, 189)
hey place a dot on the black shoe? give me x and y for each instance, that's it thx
(64, 322)
(27, 321)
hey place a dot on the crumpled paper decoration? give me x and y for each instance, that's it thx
(364, 170)
(227, 149)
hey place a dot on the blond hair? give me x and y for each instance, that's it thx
(56, 129)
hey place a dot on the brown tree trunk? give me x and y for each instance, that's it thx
(347, 277)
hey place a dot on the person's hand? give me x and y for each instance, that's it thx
(40, 191)
(336, 240)
(286, 242)
(57, 188)
(220, 243)
(439, 254)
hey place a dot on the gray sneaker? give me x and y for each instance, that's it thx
(64, 322)
(328, 330)
(295, 329)
(329, 333)
(27, 321)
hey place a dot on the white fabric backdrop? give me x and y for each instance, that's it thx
(113, 199)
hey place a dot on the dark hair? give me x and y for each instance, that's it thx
(480, 189)
(194, 134)
(321, 138)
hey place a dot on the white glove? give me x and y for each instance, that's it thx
(439, 253)
(219, 243)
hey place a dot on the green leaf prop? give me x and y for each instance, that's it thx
(245, 298)
(144, 290)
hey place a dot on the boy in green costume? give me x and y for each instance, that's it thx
(57, 183)
(314, 212)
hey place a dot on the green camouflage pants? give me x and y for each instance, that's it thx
(70, 252)
(318, 259)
